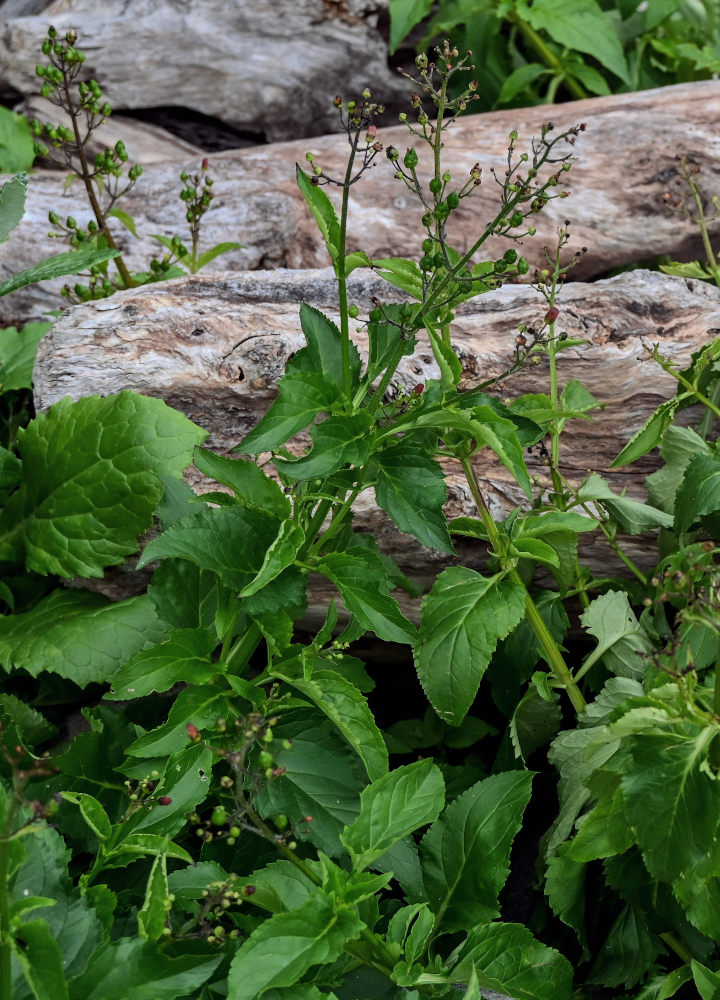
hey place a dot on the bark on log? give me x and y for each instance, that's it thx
(266, 66)
(626, 160)
(215, 346)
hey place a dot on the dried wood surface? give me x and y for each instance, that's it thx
(215, 346)
(626, 161)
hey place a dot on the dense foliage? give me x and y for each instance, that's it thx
(227, 816)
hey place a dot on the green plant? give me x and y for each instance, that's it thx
(17, 151)
(233, 819)
(531, 52)
(106, 179)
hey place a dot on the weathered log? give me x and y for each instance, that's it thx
(266, 66)
(626, 159)
(214, 347)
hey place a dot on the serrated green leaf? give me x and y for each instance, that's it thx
(201, 705)
(41, 960)
(246, 479)
(565, 889)
(706, 981)
(535, 722)
(185, 656)
(17, 355)
(229, 541)
(365, 596)
(72, 262)
(649, 436)
(385, 336)
(91, 480)
(323, 211)
(461, 620)
(411, 488)
(671, 801)
(133, 969)
(78, 635)
(629, 950)
(509, 960)
(281, 950)
(535, 549)
(345, 706)
(631, 516)
(680, 445)
(393, 807)
(185, 595)
(580, 25)
(336, 441)
(466, 852)
(301, 397)
(699, 491)
(186, 782)
(622, 642)
(33, 727)
(92, 812)
(324, 346)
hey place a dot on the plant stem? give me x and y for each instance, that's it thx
(677, 946)
(236, 660)
(90, 190)
(547, 55)
(667, 366)
(340, 271)
(5, 944)
(550, 648)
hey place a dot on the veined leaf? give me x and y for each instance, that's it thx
(72, 262)
(12, 204)
(183, 656)
(39, 956)
(622, 642)
(153, 915)
(281, 950)
(461, 621)
(323, 211)
(339, 440)
(679, 446)
(411, 489)
(324, 345)
(393, 807)
(301, 397)
(246, 479)
(200, 705)
(404, 15)
(366, 596)
(17, 355)
(466, 852)
(699, 492)
(384, 337)
(649, 436)
(345, 706)
(706, 981)
(217, 251)
(91, 480)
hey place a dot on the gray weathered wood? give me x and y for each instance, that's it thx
(214, 346)
(626, 160)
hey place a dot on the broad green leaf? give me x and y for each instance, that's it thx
(324, 779)
(501, 436)
(133, 969)
(535, 549)
(41, 960)
(201, 705)
(230, 541)
(649, 436)
(336, 441)
(538, 525)
(33, 727)
(393, 807)
(91, 480)
(79, 635)
(679, 446)
(509, 960)
(12, 204)
(129, 223)
(699, 492)
(279, 887)
(665, 987)
(404, 15)
(385, 338)
(623, 645)
(366, 597)
(411, 488)
(152, 917)
(603, 832)
(671, 801)
(519, 79)
(632, 516)
(72, 262)
(466, 852)
(565, 890)
(246, 479)
(345, 706)
(535, 722)
(183, 656)
(580, 25)
(301, 397)
(628, 952)
(461, 621)
(281, 950)
(323, 212)
(324, 346)
(706, 981)
(186, 596)
(17, 355)
(692, 269)
(92, 812)
(279, 557)
(185, 782)
(71, 923)
(10, 471)
(140, 845)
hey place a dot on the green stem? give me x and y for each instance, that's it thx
(237, 659)
(340, 271)
(679, 377)
(90, 190)
(5, 942)
(549, 647)
(340, 514)
(547, 55)
(677, 946)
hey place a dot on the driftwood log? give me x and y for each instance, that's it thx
(265, 66)
(215, 346)
(626, 161)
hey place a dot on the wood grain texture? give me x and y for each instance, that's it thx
(215, 346)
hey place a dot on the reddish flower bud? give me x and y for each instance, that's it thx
(205, 164)
(419, 389)
(552, 314)
(164, 800)
(193, 731)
